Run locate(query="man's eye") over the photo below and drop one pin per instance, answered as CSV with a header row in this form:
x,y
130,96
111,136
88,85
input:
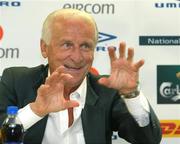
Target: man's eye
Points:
x,y
67,45
85,47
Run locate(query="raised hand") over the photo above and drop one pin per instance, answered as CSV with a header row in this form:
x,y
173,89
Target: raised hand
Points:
x,y
50,96
124,72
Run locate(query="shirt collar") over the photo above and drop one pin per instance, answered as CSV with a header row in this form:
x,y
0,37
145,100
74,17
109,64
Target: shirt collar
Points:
x,y
80,93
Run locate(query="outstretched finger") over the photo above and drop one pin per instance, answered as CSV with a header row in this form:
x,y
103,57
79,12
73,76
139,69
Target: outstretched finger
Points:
x,y
139,64
112,54
64,78
104,81
60,69
122,49
52,78
43,89
130,54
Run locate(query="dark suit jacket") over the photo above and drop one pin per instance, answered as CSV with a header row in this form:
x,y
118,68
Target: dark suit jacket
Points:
x,y
104,110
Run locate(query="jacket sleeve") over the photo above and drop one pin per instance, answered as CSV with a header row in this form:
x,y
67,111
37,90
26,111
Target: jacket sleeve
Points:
x,y
128,129
7,94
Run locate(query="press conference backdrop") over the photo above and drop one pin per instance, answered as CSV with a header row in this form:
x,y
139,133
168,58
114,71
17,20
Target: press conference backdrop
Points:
x,y
152,27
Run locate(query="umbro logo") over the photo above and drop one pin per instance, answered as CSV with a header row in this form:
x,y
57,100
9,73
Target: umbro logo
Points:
x,y
105,37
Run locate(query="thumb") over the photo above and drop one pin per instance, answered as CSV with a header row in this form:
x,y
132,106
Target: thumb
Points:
x,y
104,81
71,104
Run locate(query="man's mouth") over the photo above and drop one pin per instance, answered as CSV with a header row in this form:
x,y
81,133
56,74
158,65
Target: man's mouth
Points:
x,y
73,67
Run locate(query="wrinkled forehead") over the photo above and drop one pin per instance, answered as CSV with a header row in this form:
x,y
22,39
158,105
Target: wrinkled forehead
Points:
x,y
75,15
65,14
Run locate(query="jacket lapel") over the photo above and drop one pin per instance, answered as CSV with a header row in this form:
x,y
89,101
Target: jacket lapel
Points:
x,y
93,118
40,79
37,78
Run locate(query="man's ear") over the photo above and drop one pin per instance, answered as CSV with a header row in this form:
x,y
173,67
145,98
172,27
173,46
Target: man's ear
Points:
x,y
44,49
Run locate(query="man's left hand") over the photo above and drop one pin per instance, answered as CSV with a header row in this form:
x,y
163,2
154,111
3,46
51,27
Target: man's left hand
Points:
x,y
124,75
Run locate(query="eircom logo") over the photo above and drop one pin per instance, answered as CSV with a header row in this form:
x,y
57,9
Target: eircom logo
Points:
x,y
170,128
1,32
8,52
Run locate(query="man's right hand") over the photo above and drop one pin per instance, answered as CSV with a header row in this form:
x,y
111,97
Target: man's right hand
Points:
x,y
50,96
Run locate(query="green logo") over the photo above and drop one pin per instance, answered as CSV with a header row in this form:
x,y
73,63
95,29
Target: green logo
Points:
x,y
168,84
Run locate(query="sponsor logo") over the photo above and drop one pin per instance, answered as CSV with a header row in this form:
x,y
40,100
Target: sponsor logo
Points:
x,y
1,32
170,128
168,86
8,52
105,37
92,8
102,39
175,4
159,40
10,3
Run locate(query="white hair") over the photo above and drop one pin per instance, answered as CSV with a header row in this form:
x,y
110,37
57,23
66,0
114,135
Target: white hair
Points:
x,y
65,13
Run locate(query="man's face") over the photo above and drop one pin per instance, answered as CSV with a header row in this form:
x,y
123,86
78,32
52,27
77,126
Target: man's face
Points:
x,y
72,46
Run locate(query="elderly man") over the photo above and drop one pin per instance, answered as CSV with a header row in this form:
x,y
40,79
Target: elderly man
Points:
x,y
62,103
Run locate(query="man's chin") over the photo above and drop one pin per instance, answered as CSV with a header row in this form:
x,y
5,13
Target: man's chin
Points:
x,y
73,83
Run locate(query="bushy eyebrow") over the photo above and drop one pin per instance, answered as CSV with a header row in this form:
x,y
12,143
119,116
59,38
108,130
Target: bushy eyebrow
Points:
x,y
87,42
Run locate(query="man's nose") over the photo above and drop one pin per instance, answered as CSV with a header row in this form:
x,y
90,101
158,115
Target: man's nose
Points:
x,y
76,55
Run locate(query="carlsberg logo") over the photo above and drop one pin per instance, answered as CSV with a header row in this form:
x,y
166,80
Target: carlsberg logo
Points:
x,y
169,92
